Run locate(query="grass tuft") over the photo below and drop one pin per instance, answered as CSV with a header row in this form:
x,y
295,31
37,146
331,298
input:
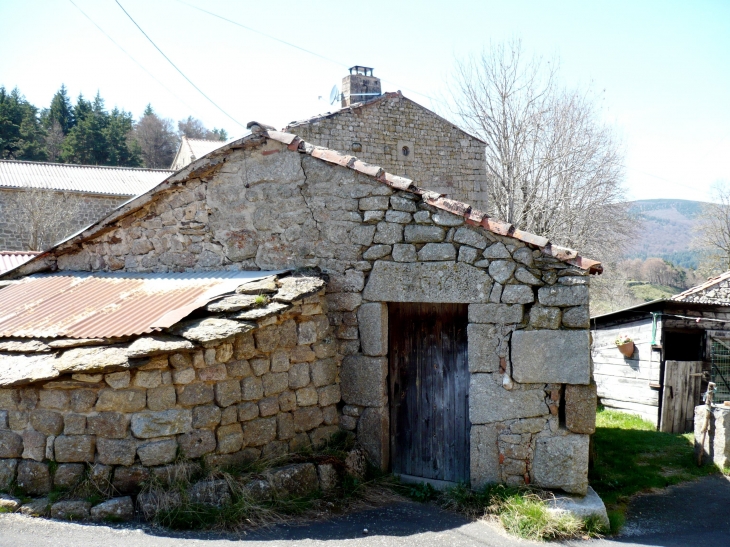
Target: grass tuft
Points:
x,y
527,516
260,300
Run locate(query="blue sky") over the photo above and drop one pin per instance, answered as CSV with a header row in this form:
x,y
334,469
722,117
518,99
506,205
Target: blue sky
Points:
x,y
661,68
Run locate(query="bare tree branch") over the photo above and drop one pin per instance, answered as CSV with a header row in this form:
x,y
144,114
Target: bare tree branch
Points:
x,y
43,217
553,167
713,233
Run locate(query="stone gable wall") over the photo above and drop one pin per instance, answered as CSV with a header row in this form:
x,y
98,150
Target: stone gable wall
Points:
x,y
91,208
532,401
270,391
442,158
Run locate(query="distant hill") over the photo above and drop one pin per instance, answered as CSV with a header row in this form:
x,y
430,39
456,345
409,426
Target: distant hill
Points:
x,y
667,230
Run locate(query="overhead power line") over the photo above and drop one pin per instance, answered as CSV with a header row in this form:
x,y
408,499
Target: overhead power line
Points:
x,y
130,56
176,68
310,52
263,34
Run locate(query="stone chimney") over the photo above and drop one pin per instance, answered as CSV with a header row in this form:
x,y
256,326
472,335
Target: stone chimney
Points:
x,y
360,86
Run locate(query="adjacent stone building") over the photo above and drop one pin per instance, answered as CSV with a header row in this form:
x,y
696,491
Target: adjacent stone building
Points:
x,y
498,390
91,191
402,137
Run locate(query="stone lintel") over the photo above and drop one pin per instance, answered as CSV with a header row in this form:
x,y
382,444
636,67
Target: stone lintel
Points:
x,y
430,282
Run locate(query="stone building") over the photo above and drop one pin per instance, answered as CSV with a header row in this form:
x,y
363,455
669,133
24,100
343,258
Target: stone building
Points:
x,y
401,136
92,191
675,340
416,290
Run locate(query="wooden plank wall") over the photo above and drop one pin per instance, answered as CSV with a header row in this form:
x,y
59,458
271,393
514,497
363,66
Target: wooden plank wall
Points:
x,y
624,384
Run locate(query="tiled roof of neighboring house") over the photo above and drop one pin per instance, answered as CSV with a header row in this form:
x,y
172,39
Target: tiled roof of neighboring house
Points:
x,y
355,106
109,305
708,292
13,259
205,167
193,149
88,179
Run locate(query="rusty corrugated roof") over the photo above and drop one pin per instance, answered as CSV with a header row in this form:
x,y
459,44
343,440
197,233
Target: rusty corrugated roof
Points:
x,y
108,305
13,259
89,179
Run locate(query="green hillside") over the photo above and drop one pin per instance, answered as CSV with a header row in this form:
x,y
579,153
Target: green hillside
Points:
x,y
667,230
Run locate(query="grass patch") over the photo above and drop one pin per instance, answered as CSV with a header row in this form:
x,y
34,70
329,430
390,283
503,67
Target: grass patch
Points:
x,y
260,300
523,512
630,456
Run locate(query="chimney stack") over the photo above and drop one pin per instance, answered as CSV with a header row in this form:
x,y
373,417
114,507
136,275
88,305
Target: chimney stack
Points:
x,y
360,86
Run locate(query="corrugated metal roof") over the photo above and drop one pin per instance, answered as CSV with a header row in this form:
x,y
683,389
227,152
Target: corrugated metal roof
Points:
x,y
13,259
91,179
107,305
193,149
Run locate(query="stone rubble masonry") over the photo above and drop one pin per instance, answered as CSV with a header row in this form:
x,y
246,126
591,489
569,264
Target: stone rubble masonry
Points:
x,y
716,448
376,245
142,418
441,157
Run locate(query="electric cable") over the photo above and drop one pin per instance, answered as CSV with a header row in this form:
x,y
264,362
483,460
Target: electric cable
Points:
x,y
176,68
271,37
129,55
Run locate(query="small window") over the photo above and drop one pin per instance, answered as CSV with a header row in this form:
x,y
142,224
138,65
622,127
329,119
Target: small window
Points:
x,y
405,151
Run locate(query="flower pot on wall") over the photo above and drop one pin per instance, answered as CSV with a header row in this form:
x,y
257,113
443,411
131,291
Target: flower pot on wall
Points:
x,y
627,349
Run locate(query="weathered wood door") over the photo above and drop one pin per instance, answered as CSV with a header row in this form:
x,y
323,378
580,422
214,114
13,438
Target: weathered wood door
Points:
x,y
681,393
429,391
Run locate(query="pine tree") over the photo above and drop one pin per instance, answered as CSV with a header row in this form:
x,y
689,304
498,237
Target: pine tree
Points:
x,y
86,143
21,134
60,111
121,148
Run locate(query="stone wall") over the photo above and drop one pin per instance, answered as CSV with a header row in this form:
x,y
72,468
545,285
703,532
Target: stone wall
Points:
x,y
440,157
532,404
712,435
268,392
90,208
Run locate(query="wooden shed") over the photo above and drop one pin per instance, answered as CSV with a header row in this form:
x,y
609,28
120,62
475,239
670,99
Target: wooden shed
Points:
x,y
679,343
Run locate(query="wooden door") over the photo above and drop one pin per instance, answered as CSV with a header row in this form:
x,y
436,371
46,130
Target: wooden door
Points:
x,y
681,394
429,391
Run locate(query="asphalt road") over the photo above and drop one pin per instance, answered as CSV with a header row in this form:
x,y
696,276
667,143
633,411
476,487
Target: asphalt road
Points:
x,y
398,525
687,515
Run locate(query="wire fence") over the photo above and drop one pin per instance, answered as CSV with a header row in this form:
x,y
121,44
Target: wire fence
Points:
x,y
721,369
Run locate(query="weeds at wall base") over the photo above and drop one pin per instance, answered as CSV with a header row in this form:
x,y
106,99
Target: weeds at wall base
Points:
x,y
523,512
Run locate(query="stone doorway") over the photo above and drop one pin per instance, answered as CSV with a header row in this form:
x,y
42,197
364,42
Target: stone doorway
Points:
x,y
429,391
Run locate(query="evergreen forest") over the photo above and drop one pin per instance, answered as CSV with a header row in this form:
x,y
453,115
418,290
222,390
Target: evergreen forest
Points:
x,y
88,133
